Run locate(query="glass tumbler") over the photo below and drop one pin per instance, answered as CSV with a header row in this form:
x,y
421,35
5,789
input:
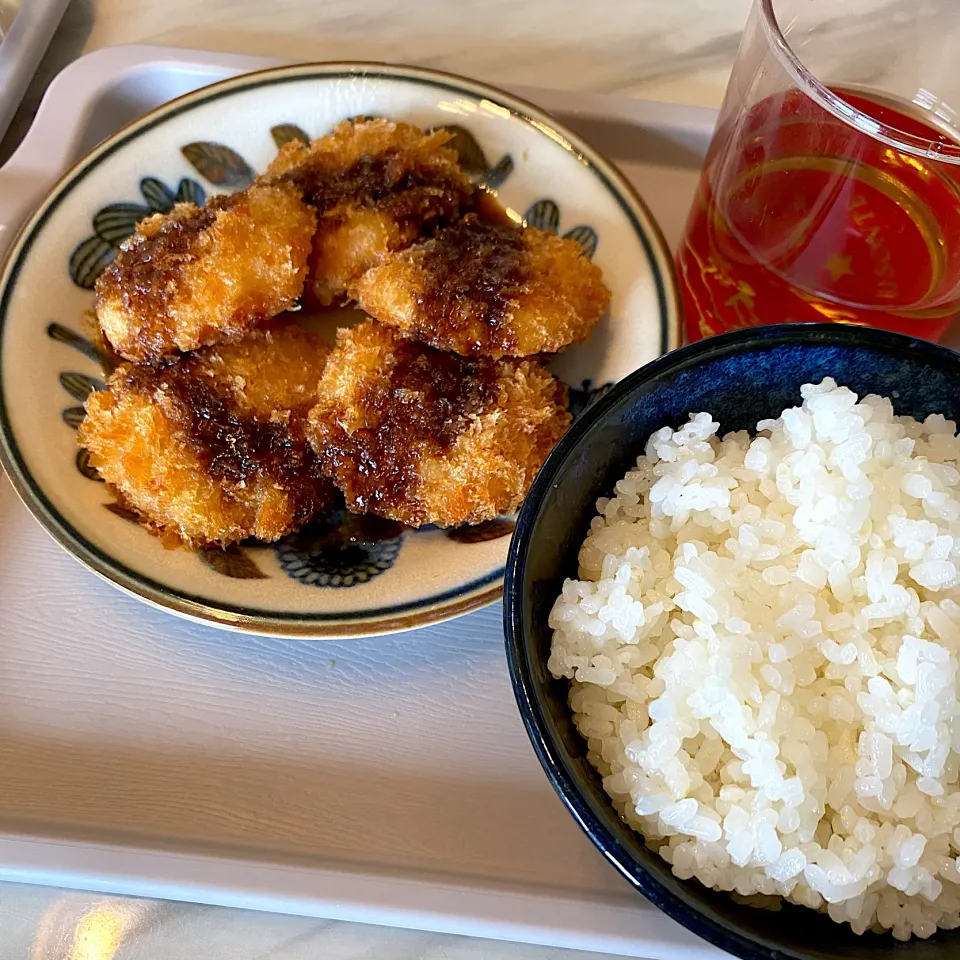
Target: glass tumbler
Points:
x,y
831,189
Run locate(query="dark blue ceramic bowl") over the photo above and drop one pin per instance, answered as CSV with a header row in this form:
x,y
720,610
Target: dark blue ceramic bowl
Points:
x,y
740,378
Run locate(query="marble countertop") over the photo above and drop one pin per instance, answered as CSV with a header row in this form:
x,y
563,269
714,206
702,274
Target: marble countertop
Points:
x,y
37,923
678,52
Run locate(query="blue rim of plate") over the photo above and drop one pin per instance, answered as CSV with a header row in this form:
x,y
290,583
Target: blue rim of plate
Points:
x,y
372,621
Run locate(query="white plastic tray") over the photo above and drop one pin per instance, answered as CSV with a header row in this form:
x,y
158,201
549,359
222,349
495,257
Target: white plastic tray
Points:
x,y
21,48
386,780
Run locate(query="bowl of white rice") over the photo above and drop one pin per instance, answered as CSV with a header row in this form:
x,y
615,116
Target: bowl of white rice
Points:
x,y
733,628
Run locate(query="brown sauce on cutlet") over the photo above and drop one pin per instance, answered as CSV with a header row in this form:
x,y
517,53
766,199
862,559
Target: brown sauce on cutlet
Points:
x,y
372,180
238,447
414,195
422,210
479,265
143,276
419,411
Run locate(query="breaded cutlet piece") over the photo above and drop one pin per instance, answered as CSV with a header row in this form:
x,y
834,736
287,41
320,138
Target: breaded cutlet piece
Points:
x,y
487,289
420,436
211,448
376,187
202,275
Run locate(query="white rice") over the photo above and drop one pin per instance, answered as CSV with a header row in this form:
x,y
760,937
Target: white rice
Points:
x,y
763,646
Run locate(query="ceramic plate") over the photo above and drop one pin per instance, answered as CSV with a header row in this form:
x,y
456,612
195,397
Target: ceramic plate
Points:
x,y
341,576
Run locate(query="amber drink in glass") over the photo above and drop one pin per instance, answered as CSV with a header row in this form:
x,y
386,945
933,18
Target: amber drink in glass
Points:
x,y
831,190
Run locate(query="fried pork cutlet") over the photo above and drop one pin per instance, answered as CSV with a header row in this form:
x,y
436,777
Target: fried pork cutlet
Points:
x,y
486,289
376,186
420,436
202,275
211,448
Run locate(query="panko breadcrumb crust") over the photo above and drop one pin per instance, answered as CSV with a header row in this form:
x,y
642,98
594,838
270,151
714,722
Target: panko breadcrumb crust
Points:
x,y
226,424
420,436
487,289
211,448
202,275
376,186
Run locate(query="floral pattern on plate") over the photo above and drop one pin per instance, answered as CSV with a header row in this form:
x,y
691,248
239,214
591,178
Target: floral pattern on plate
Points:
x,y
215,140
